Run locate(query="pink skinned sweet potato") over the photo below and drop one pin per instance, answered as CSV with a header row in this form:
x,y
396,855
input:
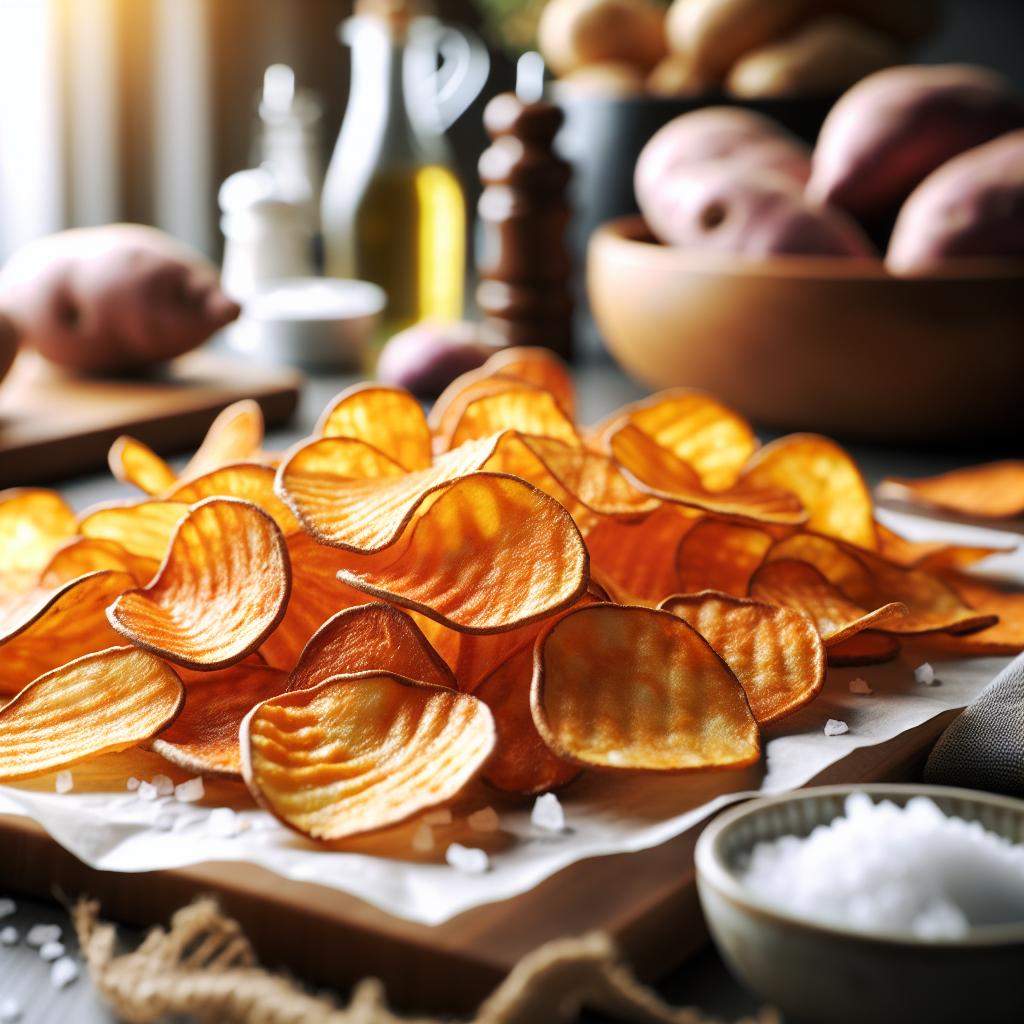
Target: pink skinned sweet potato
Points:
x,y
893,128
427,357
720,208
971,207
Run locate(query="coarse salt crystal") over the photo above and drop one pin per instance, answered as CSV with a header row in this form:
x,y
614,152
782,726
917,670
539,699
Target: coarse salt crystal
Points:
x,y
189,791
10,1010
442,816
484,820
859,685
164,786
925,674
836,727
52,950
548,813
133,784
40,934
467,859
63,972
7,907
224,823
9,936
423,839
64,783
147,791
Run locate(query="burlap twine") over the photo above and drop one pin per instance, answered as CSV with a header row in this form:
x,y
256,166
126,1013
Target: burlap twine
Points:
x,y
204,966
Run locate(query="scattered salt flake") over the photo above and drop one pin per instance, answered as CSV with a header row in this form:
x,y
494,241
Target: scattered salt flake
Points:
x,y
467,859
65,782
10,1010
548,813
484,820
133,784
40,934
925,674
835,727
163,785
423,839
52,950
63,972
147,791
9,936
224,823
7,907
190,791
442,816
859,685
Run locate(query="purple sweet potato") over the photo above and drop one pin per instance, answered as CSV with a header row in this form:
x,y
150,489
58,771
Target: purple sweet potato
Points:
x,y
971,207
893,128
427,357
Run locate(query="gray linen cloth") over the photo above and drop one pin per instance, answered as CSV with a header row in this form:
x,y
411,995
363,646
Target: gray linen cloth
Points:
x,y
984,747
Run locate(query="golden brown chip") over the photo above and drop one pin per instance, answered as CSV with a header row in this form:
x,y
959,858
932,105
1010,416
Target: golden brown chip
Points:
x,y
236,435
85,555
142,528
448,408
359,753
867,648
135,463
1004,637
249,481
389,419
711,439
219,593
522,761
721,556
489,554
537,366
836,563
370,637
992,491
33,524
204,737
97,704
657,471
825,479
53,626
799,585
931,555
774,652
516,406
625,687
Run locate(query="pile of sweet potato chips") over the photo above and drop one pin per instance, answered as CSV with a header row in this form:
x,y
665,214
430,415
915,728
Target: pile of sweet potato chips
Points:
x,y
398,605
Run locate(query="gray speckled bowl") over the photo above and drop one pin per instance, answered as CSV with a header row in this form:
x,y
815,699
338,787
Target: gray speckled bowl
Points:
x,y
834,975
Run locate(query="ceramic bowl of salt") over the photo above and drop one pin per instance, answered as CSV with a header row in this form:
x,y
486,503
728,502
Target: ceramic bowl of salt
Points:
x,y
881,903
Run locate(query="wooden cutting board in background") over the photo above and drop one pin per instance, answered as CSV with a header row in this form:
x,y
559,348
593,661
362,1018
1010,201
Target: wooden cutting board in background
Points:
x,y
54,426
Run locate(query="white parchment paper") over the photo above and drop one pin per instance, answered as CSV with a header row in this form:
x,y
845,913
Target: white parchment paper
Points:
x,y
112,829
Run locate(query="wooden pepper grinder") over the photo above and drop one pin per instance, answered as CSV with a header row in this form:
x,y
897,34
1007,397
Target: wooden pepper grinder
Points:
x,y
523,262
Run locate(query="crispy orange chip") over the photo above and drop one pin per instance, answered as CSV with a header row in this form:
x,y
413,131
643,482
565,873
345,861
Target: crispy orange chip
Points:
x,y
33,524
825,479
516,406
219,593
370,637
56,625
85,555
712,440
931,555
721,556
143,528
774,652
389,419
800,586
362,752
94,705
135,463
626,687
236,435
248,481
522,761
490,553
537,366
992,491
1004,637
204,737
867,648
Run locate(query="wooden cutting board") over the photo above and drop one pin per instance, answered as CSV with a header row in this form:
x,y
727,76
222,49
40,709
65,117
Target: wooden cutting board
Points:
x,y
53,425
646,901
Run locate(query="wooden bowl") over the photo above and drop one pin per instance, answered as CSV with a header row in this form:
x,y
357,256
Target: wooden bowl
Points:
x,y
815,343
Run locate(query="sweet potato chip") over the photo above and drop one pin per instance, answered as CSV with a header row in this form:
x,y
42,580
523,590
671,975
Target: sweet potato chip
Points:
x,y
867,648
53,626
825,479
370,637
774,652
522,762
712,440
516,406
85,555
220,591
537,366
931,555
236,435
143,528
33,524
389,419
799,585
204,737
657,471
248,481
97,704
992,491
135,463
1004,637
490,553
835,562
624,687
359,753
721,556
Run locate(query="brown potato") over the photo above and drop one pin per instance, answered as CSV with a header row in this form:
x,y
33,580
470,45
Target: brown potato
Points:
x,y
971,207
823,57
896,126
575,33
113,298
